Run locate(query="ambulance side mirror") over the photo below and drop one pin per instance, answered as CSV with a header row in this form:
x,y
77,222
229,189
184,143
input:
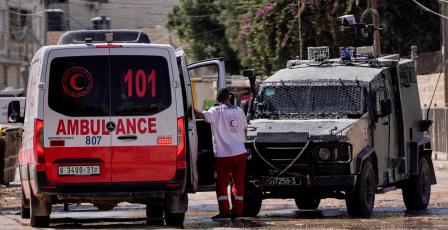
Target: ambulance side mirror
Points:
x,y
14,112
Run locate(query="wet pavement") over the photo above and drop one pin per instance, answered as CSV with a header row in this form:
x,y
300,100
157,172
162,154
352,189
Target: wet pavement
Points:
x,y
389,213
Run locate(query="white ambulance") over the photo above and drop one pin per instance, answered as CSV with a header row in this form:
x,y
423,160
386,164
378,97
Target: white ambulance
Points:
x,y
109,119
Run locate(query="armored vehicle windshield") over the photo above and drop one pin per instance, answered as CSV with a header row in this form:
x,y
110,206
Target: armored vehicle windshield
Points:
x,y
311,99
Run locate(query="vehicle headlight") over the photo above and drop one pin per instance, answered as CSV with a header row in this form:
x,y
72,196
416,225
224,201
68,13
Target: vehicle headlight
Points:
x,y
324,154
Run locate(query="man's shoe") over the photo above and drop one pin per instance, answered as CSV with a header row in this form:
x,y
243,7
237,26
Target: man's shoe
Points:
x,y
221,216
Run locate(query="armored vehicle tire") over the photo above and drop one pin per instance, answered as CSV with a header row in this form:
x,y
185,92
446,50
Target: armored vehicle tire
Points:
x,y
360,203
25,211
154,214
304,202
252,204
417,190
174,219
37,221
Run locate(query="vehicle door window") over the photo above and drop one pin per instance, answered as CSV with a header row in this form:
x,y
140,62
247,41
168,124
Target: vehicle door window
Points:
x,y
79,86
140,85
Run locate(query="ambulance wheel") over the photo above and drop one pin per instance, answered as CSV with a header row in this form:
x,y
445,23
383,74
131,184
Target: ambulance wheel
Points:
x,y
175,219
41,221
417,190
304,202
360,203
25,211
154,214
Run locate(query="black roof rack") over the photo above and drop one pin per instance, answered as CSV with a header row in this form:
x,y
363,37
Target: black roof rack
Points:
x,y
99,36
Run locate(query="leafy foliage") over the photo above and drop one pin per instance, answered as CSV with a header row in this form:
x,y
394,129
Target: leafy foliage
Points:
x,y
198,23
264,34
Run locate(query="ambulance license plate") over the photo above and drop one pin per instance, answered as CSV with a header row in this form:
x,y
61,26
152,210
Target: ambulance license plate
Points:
x,y
79,170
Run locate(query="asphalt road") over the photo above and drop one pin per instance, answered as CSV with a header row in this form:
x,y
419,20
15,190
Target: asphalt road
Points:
x,y
389,213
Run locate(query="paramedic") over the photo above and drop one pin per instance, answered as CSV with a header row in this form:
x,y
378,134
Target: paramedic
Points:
x,y
229,125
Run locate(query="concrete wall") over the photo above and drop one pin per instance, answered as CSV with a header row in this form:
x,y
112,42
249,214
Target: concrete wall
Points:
x,y
426,86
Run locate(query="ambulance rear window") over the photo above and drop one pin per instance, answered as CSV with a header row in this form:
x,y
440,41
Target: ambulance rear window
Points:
x,y
79,86
140,85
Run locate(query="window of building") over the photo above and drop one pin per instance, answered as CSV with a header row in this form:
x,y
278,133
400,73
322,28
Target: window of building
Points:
x,y
2,30
18,20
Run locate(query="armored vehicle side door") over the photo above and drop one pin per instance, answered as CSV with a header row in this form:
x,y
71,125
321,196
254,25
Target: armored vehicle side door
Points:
x,y
381,126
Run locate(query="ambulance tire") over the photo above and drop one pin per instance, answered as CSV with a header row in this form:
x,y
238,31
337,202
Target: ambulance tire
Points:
x,y
37,221
154,214
175,219
2,163
25,211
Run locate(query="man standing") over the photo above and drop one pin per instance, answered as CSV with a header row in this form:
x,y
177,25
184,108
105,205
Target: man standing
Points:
x,y
228,124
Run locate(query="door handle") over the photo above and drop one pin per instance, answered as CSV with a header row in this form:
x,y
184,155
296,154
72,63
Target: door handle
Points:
x,y
127,137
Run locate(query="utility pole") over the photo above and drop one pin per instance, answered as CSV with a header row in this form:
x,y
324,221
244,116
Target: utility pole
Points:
x,y
376,22
444,65
299,13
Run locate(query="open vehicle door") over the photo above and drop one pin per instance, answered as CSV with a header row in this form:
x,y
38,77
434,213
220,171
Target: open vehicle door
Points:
x,y
202,175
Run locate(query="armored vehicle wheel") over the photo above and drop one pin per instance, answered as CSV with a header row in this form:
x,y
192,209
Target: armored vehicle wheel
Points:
x,y
417,190
252,204
307,202
37,221
154,214
175,219
360,203
25,210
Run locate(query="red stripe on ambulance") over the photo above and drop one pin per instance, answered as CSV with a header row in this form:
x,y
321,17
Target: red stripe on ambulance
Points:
x,y
73,127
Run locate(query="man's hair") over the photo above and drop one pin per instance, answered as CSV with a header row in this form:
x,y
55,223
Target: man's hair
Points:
x,y
223,95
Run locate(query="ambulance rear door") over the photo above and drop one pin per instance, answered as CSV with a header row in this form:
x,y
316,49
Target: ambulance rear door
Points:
x,y
145,114
76,111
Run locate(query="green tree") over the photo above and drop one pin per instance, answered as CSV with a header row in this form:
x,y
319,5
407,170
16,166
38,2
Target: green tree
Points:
x,y
199,24
263,34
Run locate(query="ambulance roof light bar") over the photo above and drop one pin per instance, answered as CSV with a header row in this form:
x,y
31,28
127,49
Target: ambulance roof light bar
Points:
x,y
101,36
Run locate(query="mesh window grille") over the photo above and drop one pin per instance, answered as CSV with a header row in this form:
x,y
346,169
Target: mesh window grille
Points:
x,y
310,99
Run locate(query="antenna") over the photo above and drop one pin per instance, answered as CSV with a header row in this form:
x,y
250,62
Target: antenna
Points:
x,y
437,83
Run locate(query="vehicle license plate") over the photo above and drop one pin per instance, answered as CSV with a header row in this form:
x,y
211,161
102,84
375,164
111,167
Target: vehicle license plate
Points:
x,y
79,170
283,181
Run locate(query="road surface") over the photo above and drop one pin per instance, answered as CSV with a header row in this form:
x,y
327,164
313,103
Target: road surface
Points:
x,y
389,213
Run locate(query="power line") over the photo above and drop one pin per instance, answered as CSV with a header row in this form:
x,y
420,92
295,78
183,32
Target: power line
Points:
x,y
139,4
22,14
429,10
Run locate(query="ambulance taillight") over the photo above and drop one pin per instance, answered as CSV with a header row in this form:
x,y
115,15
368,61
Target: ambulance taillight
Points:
x,y
181,163
38,139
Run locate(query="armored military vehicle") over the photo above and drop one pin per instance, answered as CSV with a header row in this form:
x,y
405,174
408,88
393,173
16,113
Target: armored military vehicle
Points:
x,y
345,128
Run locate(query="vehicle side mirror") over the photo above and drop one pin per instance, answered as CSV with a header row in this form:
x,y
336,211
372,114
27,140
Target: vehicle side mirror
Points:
x,y
14,112
386,107
251,74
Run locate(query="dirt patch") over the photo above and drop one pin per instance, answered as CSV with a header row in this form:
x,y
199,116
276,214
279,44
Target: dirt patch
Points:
x,y
9,196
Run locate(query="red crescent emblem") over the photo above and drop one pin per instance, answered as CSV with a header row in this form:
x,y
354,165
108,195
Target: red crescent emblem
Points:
x,y
231,123
77,81
73,83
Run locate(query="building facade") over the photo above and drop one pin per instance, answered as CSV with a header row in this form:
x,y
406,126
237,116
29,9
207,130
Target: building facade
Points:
x,y
21,34
147,15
